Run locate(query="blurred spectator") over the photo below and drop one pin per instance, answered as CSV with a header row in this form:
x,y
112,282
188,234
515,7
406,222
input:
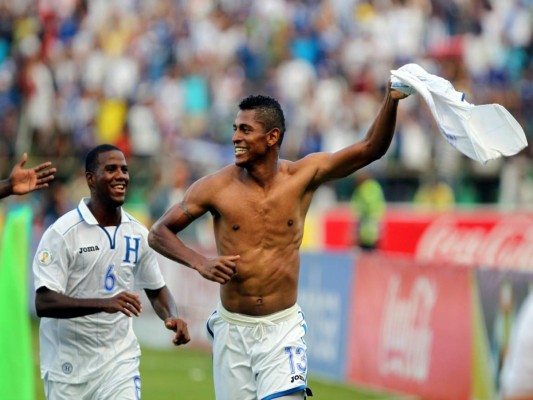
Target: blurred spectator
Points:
x,y
169,189
142,127
503,324
54,204
161,77
434,195
515,378
516,184
173,183
369,206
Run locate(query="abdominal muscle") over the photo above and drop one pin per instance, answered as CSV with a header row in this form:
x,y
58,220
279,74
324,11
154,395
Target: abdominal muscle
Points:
x,y
266,282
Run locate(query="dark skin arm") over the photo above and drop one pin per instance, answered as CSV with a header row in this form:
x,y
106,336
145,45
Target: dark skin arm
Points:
x,y
375,144
51,304
165,307
22,181
163,239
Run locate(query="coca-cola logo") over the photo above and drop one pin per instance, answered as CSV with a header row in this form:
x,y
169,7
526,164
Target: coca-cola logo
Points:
x,y
506,243
406,333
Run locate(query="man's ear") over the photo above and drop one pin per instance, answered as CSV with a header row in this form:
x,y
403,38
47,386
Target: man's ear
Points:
x,y
89,177
272,137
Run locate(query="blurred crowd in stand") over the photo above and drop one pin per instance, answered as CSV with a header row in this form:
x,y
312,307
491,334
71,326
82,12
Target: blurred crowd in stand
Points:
x,y
161,79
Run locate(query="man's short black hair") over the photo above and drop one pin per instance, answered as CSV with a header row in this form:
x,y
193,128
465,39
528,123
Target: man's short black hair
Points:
x,y
268,112
91,161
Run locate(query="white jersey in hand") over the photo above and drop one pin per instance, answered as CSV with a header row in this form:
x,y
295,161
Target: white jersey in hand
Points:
x,y
483,132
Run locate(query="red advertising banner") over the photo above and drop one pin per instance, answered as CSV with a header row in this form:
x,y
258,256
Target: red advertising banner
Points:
x,y
476,238
411,327
338,225
488,238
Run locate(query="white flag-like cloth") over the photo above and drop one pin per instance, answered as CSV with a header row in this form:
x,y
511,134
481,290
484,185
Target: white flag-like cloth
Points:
x,y
483,132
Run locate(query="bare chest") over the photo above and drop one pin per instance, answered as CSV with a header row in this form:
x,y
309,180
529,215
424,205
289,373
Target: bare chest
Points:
x,y
255,215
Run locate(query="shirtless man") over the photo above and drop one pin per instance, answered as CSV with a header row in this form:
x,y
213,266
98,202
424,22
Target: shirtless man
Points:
x,y
259,207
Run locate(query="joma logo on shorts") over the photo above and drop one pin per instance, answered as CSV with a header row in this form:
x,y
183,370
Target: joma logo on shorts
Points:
x,y
88,249
297,378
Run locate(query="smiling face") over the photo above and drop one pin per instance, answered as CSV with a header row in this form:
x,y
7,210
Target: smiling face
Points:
x,y
109,179
250,140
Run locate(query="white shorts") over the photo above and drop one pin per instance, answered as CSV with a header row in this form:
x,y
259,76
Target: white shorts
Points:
x,y
120,382
258,357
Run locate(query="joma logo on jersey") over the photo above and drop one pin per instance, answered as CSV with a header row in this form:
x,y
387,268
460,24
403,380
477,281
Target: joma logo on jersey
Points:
x,y
297,378
88,249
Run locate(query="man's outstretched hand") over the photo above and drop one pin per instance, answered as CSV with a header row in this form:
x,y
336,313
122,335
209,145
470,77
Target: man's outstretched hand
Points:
x,y
26,180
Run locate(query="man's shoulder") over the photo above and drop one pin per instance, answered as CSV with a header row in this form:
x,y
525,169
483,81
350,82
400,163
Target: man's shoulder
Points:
x,y
67,221
220,177
312,160
227,171
137,225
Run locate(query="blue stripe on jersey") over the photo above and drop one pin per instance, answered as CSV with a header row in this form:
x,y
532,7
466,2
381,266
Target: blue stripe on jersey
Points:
x,y
285,392
79,213
207,324
115,236
112,240
132,219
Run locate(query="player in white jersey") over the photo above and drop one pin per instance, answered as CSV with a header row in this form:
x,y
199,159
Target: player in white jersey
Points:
x,y
88,267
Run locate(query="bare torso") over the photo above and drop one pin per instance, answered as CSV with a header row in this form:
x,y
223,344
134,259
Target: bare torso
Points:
x,y
264,225
259,207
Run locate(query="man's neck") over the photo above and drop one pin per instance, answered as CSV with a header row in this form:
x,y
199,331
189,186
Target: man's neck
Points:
x,y
262,174
105,215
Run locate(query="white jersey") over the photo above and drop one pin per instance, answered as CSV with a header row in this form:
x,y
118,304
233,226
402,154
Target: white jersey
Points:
x,y
79,258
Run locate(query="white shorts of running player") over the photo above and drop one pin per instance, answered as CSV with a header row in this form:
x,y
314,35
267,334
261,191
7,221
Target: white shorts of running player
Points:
x,y
121,381
258,357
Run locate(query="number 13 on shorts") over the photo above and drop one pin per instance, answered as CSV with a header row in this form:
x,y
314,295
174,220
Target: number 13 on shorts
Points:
x,y
297,359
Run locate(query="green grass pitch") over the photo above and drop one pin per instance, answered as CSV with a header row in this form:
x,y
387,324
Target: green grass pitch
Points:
x,y
185,374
